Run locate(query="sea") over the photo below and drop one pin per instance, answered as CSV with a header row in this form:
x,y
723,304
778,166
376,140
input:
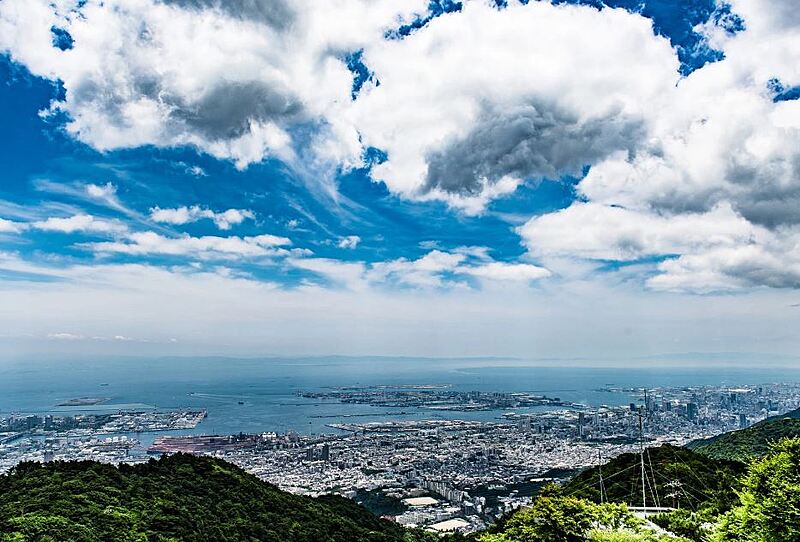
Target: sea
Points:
x,y
262,395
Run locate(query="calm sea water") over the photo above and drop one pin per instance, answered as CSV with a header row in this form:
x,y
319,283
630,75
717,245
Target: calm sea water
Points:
x,y
268,387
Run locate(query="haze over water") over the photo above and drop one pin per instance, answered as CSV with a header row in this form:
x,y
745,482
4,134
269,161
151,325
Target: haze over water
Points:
x,y
268,388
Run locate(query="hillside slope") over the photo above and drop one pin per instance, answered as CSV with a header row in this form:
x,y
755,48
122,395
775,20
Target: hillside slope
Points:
x,y
751,443
697,479
176,498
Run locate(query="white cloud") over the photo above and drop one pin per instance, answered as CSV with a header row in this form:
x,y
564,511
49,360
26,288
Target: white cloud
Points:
x,y
348,274
465,108
478,100
601,232
181,215
106,194
349,242
80,223
515,272
708,251
234,83
715,186
197,171
184,215
426,271
105,191
436,269
775,264
10,226
178,72
210,312
208,246
61,336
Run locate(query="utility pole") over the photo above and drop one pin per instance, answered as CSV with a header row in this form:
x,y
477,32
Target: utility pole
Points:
x,y
600,465
641,448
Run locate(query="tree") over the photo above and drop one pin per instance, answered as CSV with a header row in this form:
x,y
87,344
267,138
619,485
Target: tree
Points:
x,y
556,518
769,501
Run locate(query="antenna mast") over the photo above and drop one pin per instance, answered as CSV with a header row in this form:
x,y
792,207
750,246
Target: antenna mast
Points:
x,y
641,449
600,466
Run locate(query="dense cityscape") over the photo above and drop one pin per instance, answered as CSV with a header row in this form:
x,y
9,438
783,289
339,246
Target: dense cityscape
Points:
x,y
440,474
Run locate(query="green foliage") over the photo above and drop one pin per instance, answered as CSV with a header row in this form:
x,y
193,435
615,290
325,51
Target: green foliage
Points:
x,y
769,509
177,498
765,506
705,483
185,498
630,536
556,518
751,443
686,523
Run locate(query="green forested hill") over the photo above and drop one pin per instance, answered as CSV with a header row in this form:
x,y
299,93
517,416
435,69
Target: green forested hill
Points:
x,y
554,517
701,481
766,508
751,443
177,498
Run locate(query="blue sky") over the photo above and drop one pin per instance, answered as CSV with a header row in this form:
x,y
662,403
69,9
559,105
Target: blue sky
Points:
x,y
39,155
515,178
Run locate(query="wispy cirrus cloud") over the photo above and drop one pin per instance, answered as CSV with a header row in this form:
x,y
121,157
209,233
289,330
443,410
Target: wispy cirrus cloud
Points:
x,y
465,109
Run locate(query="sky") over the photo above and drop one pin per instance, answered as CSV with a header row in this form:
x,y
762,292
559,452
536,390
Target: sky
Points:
x,y
577,179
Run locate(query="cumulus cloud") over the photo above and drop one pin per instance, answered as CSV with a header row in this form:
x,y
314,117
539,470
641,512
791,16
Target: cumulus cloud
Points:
x,y
701,252
714,187
275,13
436,269
733,268
350,241
464,109
10,226
184,215
197,171
480,100
425,271
524,142
514,272
80,223
232,78
602,232
105,191
267,67
209,246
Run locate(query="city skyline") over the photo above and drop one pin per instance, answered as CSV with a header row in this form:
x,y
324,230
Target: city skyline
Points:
x,y
582,180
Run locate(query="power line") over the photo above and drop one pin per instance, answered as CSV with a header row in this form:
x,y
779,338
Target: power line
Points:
x,y
600,468
641,448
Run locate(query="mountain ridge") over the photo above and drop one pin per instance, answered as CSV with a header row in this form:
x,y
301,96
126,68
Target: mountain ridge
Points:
x,y
175,498
750,443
